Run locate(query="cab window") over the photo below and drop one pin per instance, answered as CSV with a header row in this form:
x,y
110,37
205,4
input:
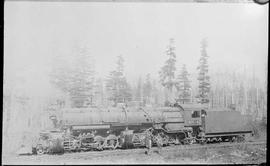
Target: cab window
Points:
x,y
195,114
203,112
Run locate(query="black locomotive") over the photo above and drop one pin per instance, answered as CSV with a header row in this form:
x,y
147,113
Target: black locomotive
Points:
x,y
82,129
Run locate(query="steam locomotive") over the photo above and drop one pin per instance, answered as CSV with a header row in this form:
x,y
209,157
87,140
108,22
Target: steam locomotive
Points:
x,y
83,129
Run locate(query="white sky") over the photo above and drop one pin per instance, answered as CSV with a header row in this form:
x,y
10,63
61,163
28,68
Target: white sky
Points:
x,y
34,32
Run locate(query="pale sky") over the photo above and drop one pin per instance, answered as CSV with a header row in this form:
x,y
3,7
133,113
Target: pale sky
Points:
x,y
34,32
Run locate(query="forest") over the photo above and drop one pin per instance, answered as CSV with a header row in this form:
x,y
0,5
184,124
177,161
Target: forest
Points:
x,y
74,83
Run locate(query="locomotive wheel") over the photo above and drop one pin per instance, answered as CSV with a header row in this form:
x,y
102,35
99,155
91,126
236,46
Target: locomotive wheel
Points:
x,y
202,141
190,141
177,141
100,142
233,139
159,141
187,141
219,139
40,150
240,139
113,143
100,146
165,140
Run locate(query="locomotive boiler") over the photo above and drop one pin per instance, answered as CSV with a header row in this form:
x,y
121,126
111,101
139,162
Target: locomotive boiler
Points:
x,y
125,127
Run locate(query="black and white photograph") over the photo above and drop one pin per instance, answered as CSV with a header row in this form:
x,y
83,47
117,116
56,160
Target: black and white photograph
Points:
x,y
135,82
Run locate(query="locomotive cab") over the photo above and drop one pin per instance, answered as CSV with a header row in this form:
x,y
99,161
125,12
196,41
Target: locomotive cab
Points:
x,y
195,118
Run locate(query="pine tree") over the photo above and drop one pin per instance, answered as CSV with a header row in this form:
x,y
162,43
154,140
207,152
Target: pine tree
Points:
x,y
167,72
76,80
117,86
147,89
204,79
183,86
138,94
155,93
98,93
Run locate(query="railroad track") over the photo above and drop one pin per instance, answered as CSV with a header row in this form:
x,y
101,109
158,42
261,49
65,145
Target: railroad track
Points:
x,y
167,149
107,155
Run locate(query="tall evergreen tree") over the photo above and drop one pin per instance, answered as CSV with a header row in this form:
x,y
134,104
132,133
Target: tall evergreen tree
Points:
x,y
204,79
147,89
99,92
167,72
138,93
76,80
155,93
183,86
117,86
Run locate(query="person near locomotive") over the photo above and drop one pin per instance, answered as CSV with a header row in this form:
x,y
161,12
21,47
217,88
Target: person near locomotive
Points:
x,y
159,142
148,140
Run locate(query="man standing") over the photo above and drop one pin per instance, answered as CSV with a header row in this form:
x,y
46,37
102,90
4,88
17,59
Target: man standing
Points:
x,y
159,142
148,140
